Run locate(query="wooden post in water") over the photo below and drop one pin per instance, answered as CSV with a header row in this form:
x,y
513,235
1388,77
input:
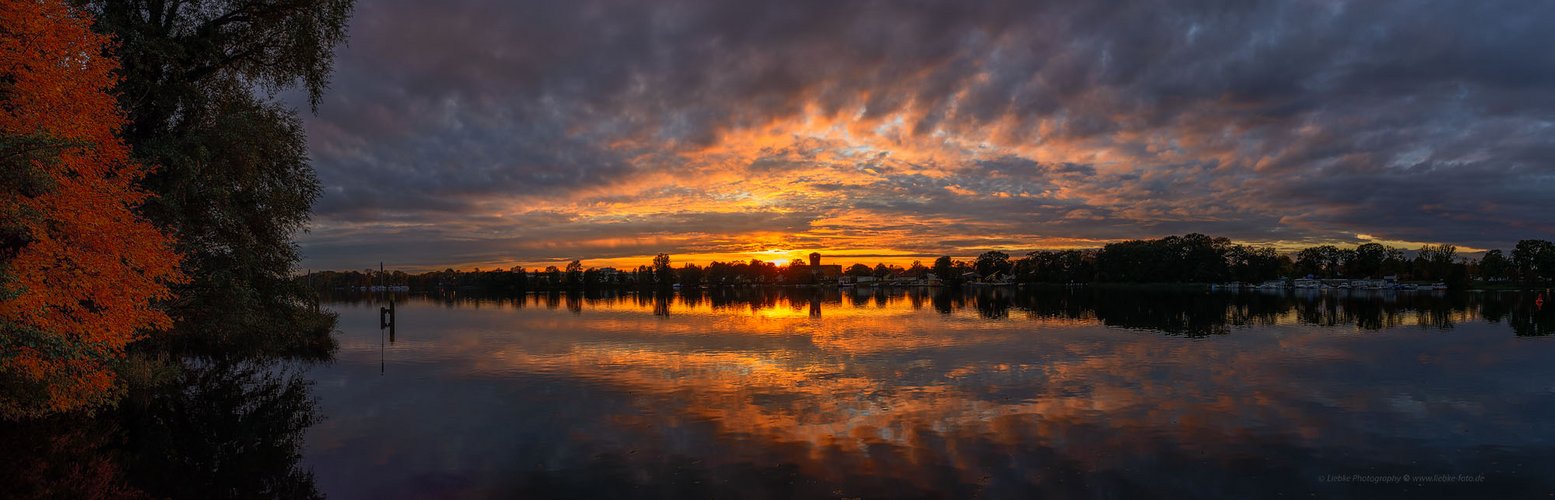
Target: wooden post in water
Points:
x,y
386,316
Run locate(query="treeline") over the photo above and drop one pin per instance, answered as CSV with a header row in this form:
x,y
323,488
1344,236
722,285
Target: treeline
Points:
x,y
659,274
1191,258
1196,258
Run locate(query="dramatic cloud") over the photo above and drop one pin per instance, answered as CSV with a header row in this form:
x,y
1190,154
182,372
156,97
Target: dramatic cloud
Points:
x,y
498,133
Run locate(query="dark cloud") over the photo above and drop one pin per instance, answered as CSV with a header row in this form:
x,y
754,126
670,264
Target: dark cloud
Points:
x,y
1294,120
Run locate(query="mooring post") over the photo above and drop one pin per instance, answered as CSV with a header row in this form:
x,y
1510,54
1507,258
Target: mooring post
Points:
x,y
386,316
391,321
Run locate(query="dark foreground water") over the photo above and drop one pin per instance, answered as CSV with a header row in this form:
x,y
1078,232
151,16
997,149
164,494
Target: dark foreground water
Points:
x,y
1083,393
1079,393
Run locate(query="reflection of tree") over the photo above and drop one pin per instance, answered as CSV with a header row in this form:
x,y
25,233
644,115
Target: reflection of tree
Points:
x,y
574,302
916,296
1315,308
222,430
205,416
1057,303
992,303
60,458
947,300
661,304
1372,315
692,297
1173,313
216,430
1253,309
1494,310
1181,312
1528,319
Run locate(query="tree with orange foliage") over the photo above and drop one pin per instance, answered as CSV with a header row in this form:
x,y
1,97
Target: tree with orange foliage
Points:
x,y
81,272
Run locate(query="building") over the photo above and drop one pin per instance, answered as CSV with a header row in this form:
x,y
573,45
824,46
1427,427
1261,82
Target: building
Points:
x,y
820,272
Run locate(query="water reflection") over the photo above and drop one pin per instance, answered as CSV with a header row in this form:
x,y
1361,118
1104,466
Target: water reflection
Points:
x,y
1169,311
890,393
204,416
222,430
216,430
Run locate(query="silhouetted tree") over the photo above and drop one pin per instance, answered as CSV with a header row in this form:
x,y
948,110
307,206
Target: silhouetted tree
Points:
x,y
945,270
1534,261
991,262
1253,264
1435,262
662,274
574,273
553,276
1325,261
1366,261
233,179
691,275
1494,266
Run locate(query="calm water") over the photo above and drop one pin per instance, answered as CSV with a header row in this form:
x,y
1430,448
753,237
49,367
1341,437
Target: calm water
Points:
x,y
797,394
1067,393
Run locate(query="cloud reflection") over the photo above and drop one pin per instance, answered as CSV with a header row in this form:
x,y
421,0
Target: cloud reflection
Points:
x,y
887,394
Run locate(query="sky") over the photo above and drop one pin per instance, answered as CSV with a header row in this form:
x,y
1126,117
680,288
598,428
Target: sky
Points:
x,y
471,133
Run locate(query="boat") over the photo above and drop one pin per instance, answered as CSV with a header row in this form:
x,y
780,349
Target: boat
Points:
x,y
1235,285
1369,284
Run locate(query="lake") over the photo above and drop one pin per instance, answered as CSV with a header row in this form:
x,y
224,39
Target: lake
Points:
x,y
1079,393
799,393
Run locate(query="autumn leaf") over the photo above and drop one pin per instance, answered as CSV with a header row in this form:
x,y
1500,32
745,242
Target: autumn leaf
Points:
x,y
81,272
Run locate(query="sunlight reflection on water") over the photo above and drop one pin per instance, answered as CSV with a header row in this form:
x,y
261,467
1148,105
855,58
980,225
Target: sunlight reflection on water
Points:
x,y
912,393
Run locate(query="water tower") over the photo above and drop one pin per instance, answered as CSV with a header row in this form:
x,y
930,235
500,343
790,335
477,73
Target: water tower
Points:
x,y
815,259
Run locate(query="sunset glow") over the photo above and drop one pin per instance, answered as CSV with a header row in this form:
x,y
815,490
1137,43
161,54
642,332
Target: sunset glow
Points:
x,y
875,133
785,249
